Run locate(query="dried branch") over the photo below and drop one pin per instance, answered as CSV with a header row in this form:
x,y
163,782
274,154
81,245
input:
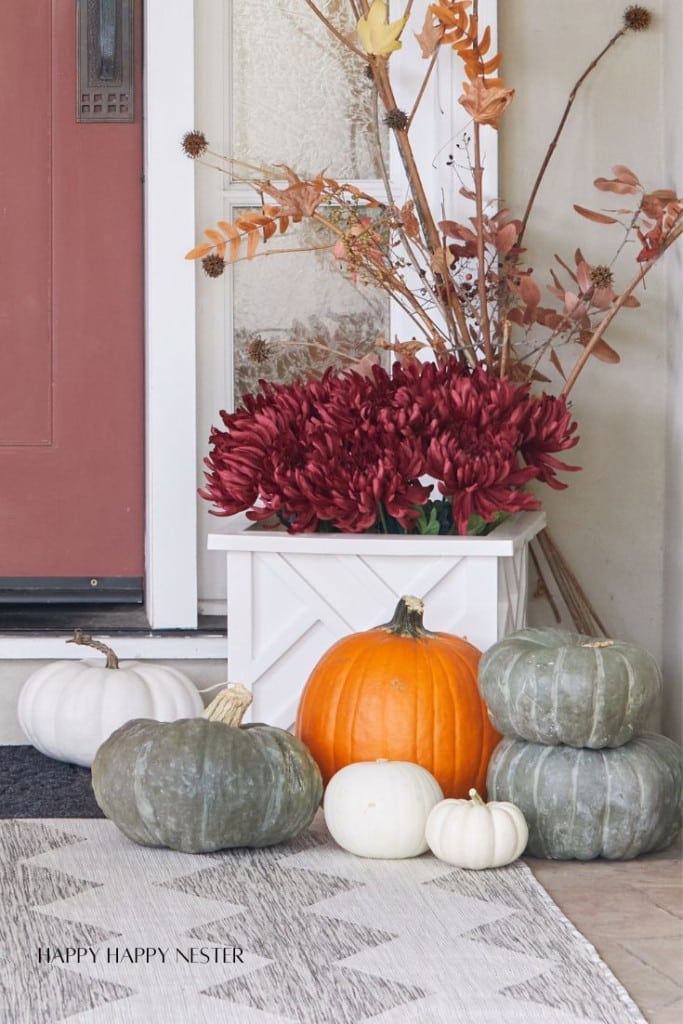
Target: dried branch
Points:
x,y
585,618
563,120
637,279
335,31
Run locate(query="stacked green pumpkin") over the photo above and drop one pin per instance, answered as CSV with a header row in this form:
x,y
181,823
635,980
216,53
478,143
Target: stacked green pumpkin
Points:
x,y
574,758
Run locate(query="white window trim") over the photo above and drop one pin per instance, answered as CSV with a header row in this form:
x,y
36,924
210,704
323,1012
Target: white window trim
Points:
x,y
171,469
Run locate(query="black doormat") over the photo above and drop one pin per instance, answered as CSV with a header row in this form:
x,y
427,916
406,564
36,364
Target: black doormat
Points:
x,y
35,786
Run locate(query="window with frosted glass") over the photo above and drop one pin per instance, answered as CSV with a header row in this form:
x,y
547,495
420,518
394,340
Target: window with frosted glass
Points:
x,y
297,313
298,96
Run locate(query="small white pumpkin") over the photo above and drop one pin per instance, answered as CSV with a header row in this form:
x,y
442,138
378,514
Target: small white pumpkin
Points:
x,y
380,808
67,709
474,834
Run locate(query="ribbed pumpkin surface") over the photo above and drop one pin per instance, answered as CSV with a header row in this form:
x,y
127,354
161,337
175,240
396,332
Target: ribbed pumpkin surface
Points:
x,y
552,686
404,697
582,804
198,786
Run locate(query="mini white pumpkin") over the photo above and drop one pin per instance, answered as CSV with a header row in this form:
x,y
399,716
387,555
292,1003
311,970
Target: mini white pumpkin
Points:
x,y
380,808
474,834
67,709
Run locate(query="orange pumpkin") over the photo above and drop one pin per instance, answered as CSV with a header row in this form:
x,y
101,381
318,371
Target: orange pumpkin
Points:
x,y
403,693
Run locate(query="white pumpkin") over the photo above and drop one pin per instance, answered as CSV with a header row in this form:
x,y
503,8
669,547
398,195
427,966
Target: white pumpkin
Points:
x,y
380,808
474,834
67,709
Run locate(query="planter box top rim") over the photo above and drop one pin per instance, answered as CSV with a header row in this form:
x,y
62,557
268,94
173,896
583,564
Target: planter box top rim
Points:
x,y
239,534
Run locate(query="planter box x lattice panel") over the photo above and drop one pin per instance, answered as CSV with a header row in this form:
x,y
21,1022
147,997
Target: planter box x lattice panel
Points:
x,y
290,598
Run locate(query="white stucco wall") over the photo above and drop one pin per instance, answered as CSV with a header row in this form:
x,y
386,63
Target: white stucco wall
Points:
x,y
610,524
672,654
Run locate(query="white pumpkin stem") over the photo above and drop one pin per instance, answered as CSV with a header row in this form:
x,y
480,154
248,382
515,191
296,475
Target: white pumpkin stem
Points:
x,y
476,799
229,705
80,637
599,643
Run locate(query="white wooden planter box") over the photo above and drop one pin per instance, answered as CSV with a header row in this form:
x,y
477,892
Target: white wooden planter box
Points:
x,y
291,597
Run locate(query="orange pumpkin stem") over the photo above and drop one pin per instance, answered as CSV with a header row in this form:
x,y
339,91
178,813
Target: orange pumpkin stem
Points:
x,y
80,637
407,619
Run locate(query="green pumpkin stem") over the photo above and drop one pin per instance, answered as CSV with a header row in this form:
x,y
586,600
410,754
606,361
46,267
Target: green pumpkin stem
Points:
x,y
229,705
476,799
407,619
80,637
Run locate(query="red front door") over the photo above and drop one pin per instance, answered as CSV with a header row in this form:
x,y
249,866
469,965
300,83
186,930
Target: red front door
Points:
x,y
71,313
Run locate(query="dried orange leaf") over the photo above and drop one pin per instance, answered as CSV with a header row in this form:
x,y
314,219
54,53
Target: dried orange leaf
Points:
x,y
452,229
493,64
199,251
409,221
506,237
555,360
253,239
441,262
602,351
529,290
622,188
485,103
583,275
269,229
229,230
218,241
599,218
524,372
549,318
430,36
626,175
353,190
653,203
602,298
485,41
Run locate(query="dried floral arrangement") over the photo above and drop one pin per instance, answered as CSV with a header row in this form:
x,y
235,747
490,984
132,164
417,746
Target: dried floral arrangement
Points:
x,y
476,311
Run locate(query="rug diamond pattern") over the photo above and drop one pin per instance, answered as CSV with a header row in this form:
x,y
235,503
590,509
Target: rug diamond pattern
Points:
x,y
327,938
30,991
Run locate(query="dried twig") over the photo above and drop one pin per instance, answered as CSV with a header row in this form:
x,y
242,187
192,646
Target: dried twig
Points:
x,y
583,615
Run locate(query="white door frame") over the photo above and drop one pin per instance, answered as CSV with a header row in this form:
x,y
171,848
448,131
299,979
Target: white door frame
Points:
x,y
171,471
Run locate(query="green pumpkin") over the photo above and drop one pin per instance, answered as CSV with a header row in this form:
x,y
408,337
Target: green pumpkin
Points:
x,y
582,804
204,784
551,686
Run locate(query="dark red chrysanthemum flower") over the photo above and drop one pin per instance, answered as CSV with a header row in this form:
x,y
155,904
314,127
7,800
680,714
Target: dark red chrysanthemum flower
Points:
x,y
548,427
349,452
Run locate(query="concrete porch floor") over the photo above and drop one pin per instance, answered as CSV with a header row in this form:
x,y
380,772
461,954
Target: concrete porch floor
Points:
x,y
632,912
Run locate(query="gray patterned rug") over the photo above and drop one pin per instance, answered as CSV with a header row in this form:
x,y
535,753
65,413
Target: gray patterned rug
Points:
x,y
96,930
